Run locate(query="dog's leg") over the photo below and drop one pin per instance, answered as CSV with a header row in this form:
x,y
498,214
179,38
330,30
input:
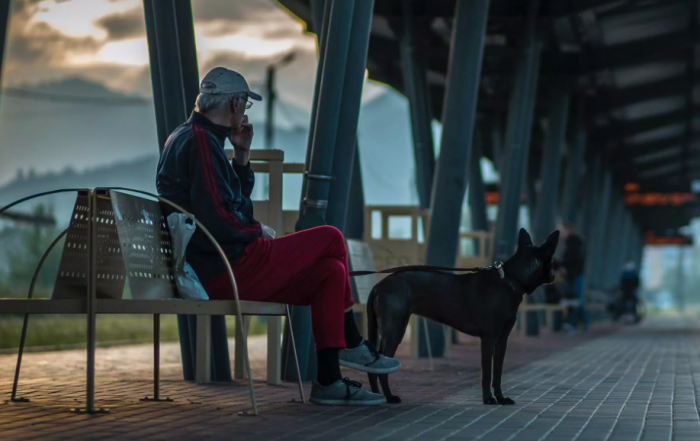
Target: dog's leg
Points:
x,y
499,357
373,382
390,341
487,346
391,399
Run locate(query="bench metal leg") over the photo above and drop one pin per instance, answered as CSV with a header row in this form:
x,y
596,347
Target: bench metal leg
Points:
x,y
246,359
203,357
156,362
274,350
239,356
14,398
91,310
25,325
296,358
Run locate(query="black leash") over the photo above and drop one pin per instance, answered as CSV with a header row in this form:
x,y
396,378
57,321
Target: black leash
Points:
x,y
428,268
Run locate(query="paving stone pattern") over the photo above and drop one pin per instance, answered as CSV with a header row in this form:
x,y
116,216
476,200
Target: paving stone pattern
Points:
x,y
635,383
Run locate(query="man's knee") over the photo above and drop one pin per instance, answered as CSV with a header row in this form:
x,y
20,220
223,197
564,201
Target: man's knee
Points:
x,y
332,235
332,268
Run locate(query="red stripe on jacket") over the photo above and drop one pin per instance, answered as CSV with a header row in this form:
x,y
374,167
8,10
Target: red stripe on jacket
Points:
x,y
204,154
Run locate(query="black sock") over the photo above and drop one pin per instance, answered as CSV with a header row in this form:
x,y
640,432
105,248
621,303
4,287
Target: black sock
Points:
x,y
353,338
328,366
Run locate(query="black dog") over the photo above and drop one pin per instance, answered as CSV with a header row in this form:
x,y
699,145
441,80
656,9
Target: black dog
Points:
x,y
482,304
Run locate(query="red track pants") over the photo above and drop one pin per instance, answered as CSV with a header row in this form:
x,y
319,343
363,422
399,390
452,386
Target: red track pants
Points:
x,y
308,268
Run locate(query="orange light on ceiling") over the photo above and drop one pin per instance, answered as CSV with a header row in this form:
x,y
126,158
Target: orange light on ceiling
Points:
x,y
658,199
651,239
631,186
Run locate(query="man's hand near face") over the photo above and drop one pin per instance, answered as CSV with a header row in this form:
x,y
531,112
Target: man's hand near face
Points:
x,y
242,139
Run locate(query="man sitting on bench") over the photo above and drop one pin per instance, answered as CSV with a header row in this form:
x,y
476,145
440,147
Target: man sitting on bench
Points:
x,y
308,268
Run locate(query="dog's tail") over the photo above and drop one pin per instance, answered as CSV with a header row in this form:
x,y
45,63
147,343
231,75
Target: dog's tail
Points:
x,y
372,325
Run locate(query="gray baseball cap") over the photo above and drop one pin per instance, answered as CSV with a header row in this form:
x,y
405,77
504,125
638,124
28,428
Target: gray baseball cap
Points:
x,y
221,80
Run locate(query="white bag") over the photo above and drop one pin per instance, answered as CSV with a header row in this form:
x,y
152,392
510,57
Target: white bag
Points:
x,y
188,284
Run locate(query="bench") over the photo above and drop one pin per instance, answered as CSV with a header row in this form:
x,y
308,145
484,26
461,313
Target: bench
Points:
x,y
116,238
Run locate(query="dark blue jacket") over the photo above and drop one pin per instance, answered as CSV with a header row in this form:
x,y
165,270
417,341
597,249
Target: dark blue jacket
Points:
x,y
195,173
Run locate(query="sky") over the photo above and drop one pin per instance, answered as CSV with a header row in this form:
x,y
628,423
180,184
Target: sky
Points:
x,y
105,41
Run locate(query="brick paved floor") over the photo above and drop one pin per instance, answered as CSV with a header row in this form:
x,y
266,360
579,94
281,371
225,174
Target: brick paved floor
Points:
x,y
635,384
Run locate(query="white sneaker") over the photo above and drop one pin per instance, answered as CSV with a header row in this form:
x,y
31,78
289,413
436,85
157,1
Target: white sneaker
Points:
x,y
365,358
344,392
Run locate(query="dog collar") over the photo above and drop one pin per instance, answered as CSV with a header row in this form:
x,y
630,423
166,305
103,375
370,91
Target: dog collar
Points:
x,y
499,266
513,281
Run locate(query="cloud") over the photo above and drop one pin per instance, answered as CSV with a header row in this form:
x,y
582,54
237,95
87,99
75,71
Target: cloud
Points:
x,y
237,11
37,43
123,25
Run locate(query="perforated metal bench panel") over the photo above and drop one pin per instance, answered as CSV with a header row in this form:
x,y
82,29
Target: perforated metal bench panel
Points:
x,y
146,246
71,281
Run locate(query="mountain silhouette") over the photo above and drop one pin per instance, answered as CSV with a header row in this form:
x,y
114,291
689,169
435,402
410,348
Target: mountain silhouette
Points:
x,y
48,144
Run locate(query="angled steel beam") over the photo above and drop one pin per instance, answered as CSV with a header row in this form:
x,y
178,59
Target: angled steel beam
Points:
x,y
415,89
574,169
639,50
458,116
518,134
634,127
625,151
346,136
691,111
188,51
4,21
614,98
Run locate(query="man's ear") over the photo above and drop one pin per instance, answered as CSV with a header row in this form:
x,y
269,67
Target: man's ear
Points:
x,y
550,244
524,238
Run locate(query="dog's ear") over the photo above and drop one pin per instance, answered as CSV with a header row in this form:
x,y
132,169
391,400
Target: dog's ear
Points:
x,y
524,238
550,244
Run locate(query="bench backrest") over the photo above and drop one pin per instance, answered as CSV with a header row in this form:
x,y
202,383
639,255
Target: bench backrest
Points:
x,y
133,244
71,281
146,246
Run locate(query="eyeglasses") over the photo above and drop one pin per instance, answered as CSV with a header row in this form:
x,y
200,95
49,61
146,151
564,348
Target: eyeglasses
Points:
x,y
248,104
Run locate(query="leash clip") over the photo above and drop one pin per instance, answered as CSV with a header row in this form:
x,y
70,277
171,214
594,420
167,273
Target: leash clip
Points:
x,y
499,266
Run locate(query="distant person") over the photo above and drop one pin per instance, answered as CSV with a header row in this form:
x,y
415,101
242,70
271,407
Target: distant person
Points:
x,y
306,268
629,284
572,267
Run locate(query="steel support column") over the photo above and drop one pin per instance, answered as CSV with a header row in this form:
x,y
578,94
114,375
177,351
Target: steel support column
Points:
x,y
346,137
321,14
301,315
574,167
586,217
531,190
188,52
4,22
161,129
605,258
477,189
415,88
317,180
615,244
598,221
458,116
639,251
517,142
171,43
680,280
546,215
355,218
171,80
187,45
